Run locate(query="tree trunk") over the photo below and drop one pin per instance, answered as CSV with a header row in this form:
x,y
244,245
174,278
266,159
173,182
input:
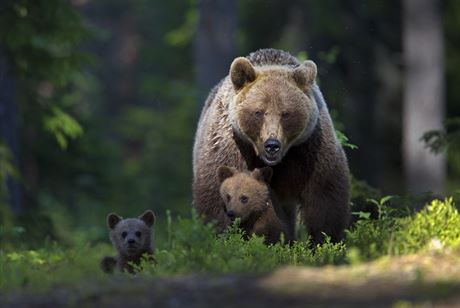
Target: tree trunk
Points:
x,y
9,127
214,42
423,108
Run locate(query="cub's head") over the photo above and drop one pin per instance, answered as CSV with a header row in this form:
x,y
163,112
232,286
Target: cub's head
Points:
x,y
244,194
131,236
273,107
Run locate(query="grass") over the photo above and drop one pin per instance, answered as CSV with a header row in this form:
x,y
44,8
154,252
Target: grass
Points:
x,y
186,245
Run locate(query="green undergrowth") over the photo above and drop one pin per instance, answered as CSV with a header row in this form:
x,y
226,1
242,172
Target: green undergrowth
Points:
x,y
193,247
436,226
189,246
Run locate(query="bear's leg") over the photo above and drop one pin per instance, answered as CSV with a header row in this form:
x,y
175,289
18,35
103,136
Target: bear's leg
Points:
x,y
208,204
288,217
325,209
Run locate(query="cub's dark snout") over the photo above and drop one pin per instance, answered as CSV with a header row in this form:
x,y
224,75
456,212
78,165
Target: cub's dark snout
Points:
x,y
231,215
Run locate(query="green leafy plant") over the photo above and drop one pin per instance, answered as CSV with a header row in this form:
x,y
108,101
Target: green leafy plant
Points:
x,y
382,208
437,224
344,140
62,126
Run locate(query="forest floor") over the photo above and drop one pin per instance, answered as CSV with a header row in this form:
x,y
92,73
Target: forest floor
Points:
x,y
426,279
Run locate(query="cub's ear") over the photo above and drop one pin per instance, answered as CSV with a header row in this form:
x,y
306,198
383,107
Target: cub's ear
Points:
x,y
224,172
112,220
305,75
263,174
148,217
241,72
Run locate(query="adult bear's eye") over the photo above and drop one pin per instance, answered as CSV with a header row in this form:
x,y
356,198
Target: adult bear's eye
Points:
x,y
124,234
138,233
244,199
285,115
228,197
258,114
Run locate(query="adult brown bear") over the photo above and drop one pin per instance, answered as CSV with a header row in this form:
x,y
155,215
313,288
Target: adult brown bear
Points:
x,y
269,111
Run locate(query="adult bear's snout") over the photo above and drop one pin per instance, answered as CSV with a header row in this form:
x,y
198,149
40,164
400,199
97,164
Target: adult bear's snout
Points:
x,y
272,146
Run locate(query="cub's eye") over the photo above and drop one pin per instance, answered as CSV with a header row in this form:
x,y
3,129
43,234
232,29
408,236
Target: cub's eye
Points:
x,y
228,197
138,233
285,115
258,114
124,234
244,199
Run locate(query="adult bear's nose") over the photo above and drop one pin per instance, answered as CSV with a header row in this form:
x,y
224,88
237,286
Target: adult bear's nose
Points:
x,y
272,146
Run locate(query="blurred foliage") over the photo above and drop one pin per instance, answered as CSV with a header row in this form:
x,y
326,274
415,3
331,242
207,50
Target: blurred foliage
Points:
x,y
446,140
452,63
28,268
8,231
6,166
42,38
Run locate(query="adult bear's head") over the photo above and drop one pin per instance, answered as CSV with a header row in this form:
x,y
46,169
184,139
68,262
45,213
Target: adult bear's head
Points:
x,y
274,107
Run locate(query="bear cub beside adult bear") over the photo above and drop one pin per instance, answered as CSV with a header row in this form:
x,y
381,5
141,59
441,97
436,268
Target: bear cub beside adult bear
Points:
x,y
132,239
247,196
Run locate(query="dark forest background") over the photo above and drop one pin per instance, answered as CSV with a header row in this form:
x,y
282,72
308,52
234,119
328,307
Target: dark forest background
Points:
x,y
99,100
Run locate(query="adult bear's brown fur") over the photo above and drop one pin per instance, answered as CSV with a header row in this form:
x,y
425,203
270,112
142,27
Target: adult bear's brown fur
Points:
x,y
271,101
247,196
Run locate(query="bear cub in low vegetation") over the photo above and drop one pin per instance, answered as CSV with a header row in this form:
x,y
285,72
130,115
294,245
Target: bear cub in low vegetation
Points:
x,y
246,195
131,237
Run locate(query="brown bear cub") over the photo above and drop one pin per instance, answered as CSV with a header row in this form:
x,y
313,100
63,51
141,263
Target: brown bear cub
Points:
x,y
131,237
247,196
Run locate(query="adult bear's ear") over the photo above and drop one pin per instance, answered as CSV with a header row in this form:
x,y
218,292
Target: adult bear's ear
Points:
x,y
224,172
112,220
241,72
148,217
263,174
305,74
